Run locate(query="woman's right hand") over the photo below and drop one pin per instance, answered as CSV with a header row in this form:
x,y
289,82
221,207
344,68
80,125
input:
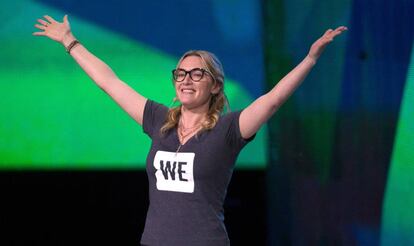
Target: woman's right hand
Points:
x,y
58,31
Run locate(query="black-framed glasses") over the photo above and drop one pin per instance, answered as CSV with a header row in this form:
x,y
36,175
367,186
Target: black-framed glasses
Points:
x,y
196,74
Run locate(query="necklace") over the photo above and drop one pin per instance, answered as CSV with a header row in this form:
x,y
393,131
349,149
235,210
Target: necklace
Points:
x,y
182,136
184,132
183,128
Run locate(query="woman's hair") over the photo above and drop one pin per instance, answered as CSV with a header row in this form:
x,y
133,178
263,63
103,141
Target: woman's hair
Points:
x,y
217,101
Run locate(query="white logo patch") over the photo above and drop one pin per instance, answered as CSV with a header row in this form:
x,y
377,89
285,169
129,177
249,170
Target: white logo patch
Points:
x,y
174,171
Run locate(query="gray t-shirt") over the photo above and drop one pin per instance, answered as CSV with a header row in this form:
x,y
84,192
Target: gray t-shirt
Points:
x,y
187,188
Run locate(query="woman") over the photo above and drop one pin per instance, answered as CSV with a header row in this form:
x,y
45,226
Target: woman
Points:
x,y
194,146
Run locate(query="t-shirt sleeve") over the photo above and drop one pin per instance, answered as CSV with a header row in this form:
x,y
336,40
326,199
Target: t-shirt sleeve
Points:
x,y
154,117
234,136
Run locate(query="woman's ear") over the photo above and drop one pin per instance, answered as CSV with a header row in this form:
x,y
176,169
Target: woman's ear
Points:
x,y
216,88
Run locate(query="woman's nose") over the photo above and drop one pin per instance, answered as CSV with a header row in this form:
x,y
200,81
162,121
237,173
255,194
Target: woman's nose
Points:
x,y
187,79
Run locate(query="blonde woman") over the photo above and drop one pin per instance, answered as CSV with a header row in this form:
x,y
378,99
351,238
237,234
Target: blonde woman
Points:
x,y
194,145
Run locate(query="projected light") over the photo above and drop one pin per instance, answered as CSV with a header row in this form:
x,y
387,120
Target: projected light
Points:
x,y
54,117
398,217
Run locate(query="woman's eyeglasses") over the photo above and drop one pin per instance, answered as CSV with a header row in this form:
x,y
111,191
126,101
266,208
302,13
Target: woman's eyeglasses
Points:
x,y
196,74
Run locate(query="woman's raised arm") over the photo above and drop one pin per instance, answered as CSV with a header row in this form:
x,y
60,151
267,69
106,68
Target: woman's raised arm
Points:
x,y
127,98
257,113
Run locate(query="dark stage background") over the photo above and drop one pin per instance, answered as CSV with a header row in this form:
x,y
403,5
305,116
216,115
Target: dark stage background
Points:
x,y
108,208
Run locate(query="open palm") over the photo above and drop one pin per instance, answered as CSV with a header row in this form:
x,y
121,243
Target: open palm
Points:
x,y
53,29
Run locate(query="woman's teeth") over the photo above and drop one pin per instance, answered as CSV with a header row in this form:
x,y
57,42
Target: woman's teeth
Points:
x,y
187,90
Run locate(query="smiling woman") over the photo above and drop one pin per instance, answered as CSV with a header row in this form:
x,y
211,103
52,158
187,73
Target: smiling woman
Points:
x,y
203,89
194,145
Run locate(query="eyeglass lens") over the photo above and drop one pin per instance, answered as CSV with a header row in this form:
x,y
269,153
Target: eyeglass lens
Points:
x,y
196,74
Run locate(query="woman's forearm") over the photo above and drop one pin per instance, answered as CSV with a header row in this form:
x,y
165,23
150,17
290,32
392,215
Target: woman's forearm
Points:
x,y
288,84
96,69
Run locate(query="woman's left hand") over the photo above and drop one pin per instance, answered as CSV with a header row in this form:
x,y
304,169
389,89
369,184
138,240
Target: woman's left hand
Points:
x,y
320,44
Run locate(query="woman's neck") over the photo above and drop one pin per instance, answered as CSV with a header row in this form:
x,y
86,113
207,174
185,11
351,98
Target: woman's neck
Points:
x,y
193,117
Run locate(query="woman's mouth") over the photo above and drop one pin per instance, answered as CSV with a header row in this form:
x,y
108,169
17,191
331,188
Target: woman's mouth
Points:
x,y
187,91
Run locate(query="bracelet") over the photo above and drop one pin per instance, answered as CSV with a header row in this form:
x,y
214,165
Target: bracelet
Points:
x,y
71,45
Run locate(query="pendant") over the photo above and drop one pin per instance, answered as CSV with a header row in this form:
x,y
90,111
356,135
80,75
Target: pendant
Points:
x,y
178,149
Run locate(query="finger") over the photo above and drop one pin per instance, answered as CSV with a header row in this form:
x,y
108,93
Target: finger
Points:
x,y
43,22
338,31
341,28
330,35
328,31
41,27
50,19
65,19
39,34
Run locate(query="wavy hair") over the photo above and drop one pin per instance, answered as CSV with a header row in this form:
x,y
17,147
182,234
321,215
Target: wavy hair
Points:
x,y
217,101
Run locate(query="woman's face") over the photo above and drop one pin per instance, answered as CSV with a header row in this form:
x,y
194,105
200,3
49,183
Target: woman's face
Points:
x,y
193,94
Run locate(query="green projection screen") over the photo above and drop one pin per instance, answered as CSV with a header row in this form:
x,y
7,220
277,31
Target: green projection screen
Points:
x,y
398,217
54,117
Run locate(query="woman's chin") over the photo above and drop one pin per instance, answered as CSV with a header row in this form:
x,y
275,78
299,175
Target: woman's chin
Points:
x,y
191,102
188,104
187,100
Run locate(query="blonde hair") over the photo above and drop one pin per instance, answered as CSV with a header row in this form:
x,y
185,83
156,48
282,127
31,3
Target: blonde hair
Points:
x,y
217,101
